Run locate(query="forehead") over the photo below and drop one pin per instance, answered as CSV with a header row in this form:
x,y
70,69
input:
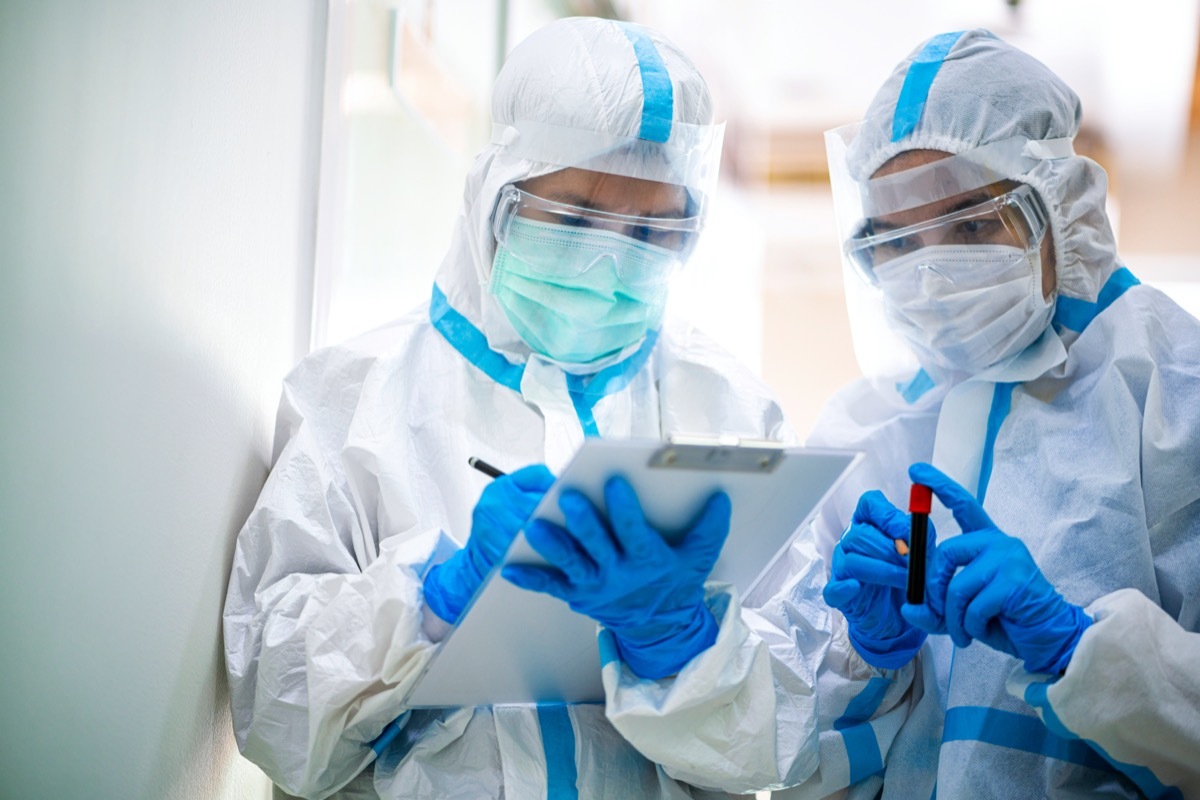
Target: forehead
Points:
x,y
912,159
615,194
909,159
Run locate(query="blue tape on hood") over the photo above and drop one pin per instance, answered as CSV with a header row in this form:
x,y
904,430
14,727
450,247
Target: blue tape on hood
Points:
x,y
917,82
658,97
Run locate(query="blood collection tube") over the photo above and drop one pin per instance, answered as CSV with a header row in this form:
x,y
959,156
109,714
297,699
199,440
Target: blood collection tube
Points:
x,y
920,498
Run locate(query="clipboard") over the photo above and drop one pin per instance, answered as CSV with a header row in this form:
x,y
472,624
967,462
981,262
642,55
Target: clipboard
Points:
x,y
516,646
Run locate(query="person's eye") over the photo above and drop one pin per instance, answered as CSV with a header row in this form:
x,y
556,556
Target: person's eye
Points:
x,y
644,233
975,230
893,248
575,222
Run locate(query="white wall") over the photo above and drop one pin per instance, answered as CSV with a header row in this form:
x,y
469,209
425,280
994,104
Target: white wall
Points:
x,y
158,166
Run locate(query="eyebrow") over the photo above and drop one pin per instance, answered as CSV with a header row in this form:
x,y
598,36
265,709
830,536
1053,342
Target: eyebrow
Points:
x,y
571,199
879,226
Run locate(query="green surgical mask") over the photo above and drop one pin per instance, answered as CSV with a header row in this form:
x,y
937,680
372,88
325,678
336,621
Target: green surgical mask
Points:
x,y
562,289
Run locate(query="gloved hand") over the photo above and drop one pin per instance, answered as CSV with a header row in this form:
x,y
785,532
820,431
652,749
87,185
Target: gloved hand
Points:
x,y
868,579
623,574
999,596
502,510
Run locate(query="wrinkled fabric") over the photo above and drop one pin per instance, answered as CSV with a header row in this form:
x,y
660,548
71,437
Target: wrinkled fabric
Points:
x,y
1090,461
985,93
1132,639
1086,447
325,626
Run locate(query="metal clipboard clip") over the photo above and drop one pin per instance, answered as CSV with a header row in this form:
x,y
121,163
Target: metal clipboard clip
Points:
x,y
718,453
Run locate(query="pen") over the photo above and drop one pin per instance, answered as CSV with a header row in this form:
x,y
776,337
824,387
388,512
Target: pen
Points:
x,y
919,500
484,467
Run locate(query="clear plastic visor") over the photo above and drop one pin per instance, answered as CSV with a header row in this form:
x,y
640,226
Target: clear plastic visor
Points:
x,y
564,240
1014,218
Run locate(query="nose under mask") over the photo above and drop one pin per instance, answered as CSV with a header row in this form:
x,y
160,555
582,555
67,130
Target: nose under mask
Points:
x,y
965,309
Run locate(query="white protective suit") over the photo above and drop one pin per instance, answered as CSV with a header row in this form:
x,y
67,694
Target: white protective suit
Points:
x,y
1086,447
370,487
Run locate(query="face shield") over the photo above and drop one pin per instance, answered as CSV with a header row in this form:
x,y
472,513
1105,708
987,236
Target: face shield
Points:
x,y
941,253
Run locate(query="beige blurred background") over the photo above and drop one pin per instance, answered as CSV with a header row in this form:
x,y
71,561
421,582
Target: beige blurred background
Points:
x,y
766,280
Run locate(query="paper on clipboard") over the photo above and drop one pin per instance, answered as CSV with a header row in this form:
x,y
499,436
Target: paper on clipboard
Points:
x,y
515,646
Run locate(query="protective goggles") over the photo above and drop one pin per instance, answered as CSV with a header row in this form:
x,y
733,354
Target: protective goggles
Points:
x,y
1016,218
640,246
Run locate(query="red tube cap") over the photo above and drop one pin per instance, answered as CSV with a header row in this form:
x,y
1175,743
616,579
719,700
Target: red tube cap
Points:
x,y
920,499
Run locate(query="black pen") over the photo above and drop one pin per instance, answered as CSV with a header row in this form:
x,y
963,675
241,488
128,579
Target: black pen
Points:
x,y
484,467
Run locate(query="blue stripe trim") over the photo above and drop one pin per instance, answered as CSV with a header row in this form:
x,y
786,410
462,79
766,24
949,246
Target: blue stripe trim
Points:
x,y
558,742
587,390
864,705
470,342
862,751
1017,732
1036,694
614,378
658,96
916,387
862,747
390,732
917,82
1001,404
608,648
587,419
1076,314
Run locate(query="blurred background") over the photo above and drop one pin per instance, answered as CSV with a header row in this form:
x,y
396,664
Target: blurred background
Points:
x,y
198,192
766,280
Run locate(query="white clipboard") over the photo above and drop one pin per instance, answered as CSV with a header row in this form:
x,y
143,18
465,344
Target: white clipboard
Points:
x,y
516,646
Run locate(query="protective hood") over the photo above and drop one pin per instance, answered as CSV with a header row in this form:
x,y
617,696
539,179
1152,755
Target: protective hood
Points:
x,y
961,91
597,94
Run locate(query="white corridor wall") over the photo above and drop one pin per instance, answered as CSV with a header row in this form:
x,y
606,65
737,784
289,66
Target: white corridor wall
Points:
x,y
158,172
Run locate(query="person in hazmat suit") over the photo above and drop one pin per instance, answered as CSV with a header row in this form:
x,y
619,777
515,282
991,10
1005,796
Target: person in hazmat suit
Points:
x,y
546,325
1052,403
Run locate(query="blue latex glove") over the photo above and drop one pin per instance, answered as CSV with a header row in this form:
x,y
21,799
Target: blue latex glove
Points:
x,y
623,574
868,579
502,510
985,585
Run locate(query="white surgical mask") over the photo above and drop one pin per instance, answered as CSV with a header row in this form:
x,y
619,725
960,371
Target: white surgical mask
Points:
x,y
966,308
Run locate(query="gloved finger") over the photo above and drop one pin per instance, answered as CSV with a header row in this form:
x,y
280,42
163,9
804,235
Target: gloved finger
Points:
x,y
508,502
588,527
867,540
702,544
633,534
538,579
873,571
840,593
922,617
535,478
836,570
877,510
557,546
961,592
981,619
967,512
947,558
